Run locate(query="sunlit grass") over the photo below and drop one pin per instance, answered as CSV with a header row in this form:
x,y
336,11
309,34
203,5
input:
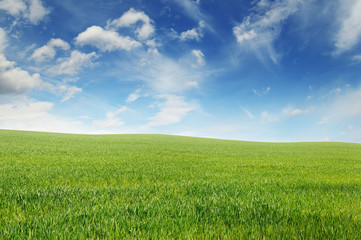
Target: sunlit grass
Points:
x,y
159,187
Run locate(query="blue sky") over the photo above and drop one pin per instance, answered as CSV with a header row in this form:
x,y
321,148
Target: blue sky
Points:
x,y
255,70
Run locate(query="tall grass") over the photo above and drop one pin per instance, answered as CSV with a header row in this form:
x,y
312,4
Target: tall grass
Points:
x,y
169,187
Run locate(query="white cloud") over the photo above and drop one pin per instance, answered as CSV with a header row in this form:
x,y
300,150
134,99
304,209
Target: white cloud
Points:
x,y
349,33
200,58
106,40
108,123
325,139
347,105
356,58
47,52
3,40
23,111
111,120
69,91
269,117
13,7
28,114
37,11
191,84
153,43
74,63
133,96
331,93
14,80
262,92
324,120
194,33
130,18
286,112
291,111
241,32
249,114
258,31
191,8
168,76
33,10
172,110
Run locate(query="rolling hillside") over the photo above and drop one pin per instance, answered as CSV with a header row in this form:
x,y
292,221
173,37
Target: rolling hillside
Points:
x,y
166,187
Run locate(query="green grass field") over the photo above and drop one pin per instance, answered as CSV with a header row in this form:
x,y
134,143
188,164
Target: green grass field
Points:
x,y
169,187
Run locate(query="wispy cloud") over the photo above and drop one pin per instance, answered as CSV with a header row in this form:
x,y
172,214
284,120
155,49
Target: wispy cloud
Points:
x,y
285,113
199,58
134,96
73,64
3,40
69,91
259,30
350,29
112,120
347,105
194,33
172,110
291,111
166,75
262,92
249,114
356,58
191,8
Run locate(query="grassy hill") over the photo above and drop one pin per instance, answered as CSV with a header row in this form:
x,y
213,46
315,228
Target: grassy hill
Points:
x,y
160,187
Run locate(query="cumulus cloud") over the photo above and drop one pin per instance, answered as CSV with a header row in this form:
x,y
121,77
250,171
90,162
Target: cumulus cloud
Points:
x,y
73,64
14,80
172,110
130,18
48,51
194,33
111,120
349,33
259,30
33,10
3,40
37,11
105,40
13,7
200,58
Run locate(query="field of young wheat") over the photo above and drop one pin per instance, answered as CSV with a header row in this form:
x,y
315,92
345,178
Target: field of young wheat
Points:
x,y
164,187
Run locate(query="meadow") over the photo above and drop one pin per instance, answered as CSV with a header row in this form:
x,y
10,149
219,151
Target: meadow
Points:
x,y
63,186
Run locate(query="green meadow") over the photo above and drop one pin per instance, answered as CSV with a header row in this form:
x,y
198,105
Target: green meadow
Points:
x,y
63,186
